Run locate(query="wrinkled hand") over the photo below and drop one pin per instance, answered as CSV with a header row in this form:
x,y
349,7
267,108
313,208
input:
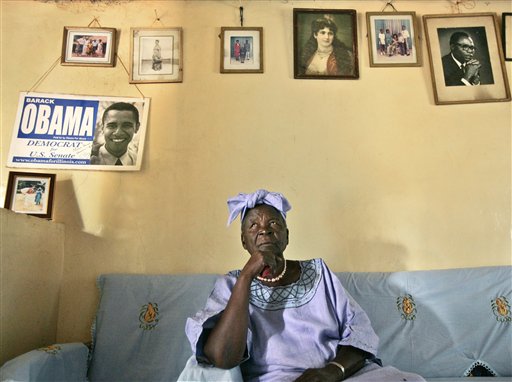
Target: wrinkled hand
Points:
x,y
472,71
330,373
257,263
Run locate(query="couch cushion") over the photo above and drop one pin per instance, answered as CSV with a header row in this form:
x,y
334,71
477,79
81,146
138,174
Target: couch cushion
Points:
x,y
139,331
439,323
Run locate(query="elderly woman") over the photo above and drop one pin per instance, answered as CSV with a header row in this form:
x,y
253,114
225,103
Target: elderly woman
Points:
x,y
278,319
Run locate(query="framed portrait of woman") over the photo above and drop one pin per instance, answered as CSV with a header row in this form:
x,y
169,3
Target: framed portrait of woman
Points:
x,y
156,55
325,44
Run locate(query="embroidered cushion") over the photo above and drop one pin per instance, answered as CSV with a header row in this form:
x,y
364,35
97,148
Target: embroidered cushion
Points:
x,y
442,323
139,332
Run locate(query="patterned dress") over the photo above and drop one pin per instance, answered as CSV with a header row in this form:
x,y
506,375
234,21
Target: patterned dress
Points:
x,y
293,327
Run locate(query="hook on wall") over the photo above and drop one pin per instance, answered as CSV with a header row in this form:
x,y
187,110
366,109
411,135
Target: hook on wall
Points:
x,y
241,16
389,4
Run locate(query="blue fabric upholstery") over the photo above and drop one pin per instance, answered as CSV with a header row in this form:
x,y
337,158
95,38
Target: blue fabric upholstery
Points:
x,y
439,323
140,326
56,363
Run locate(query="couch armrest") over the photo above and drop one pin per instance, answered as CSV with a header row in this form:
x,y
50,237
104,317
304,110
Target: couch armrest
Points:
x,y
60,362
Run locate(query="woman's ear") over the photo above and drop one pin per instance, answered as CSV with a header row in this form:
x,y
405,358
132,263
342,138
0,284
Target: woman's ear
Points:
x,y
243,241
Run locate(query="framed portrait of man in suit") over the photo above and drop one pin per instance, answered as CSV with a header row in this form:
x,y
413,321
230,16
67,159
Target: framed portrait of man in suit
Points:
x,y
466,58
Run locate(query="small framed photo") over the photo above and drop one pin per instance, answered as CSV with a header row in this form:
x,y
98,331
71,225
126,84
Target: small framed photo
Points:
x,y
88,46
466,58
156,55
241,50
393,39
506,35
325,44
30,193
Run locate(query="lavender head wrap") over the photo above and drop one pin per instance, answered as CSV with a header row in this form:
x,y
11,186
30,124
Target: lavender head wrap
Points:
x,y
242,202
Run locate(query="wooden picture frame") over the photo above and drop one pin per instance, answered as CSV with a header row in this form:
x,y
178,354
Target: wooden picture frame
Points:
x,y
241,50
472,38
337,58
156,55
88,46
30,193
506,35
393,39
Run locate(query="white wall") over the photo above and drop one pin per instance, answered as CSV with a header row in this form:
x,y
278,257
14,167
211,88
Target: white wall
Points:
x,y
379,177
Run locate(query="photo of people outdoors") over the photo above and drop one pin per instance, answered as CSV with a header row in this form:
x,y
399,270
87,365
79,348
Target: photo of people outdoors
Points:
x,y
29,193
241,50
89,46
391,39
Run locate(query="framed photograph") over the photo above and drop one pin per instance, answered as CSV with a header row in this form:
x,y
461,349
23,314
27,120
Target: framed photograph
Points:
x,y
156,55
325,44
241,50
393,39
30,193
88,46
466,58
506,35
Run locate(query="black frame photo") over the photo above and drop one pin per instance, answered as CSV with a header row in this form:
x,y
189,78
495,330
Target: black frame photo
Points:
x,y
30,193
325,44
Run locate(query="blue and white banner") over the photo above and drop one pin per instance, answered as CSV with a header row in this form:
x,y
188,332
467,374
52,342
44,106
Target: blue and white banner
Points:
x,y
64,131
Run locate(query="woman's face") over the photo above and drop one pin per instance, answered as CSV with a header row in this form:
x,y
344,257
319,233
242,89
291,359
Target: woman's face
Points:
x,y
324,38
264,230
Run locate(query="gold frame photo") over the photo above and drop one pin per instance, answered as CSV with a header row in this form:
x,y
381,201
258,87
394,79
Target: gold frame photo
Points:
x,y
393,39
88,46
325,44
466,58
156,55
30,193
241,50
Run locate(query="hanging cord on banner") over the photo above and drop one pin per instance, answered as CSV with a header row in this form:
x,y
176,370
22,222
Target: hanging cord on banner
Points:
x,y
45,74
389,4
468,4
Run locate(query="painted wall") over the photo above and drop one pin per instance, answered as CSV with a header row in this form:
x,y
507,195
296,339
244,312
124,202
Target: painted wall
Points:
x,y
380,178
31,277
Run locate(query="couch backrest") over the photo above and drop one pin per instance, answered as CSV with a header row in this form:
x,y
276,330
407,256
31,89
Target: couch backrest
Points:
x,y
439,323
435,323
139,332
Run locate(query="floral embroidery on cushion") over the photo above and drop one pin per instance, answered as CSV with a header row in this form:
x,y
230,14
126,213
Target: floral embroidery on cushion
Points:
x,y
406,306
52,349
148,316
501,309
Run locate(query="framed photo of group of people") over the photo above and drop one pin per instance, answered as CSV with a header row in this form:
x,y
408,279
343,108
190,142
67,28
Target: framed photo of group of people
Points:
x,y
156,54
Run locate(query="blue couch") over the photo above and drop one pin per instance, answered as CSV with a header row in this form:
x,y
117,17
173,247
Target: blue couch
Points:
x,y
445,325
